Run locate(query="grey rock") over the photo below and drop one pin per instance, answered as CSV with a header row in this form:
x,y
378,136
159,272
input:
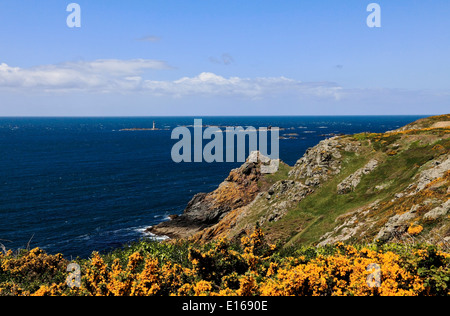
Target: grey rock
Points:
x,y
351,182
319,163
438,212
438,169
397,225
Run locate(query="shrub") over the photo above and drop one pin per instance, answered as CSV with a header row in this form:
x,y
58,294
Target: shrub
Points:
x,y
222,268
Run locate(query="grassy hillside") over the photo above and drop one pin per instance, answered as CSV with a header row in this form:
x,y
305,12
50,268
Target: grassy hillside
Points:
x,y
304,207
395,173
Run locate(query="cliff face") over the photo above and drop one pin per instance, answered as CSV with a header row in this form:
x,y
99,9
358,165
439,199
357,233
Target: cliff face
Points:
x,y
356,188
207,209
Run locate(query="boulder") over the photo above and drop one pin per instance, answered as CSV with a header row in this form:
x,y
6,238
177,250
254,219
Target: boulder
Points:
x,y
438,212
351,182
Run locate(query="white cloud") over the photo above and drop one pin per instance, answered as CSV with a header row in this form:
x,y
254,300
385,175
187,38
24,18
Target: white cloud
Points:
x,y
92,81
99,75
210,84
125,76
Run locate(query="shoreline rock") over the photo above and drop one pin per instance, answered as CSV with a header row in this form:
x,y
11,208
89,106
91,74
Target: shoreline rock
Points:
x,y
206,209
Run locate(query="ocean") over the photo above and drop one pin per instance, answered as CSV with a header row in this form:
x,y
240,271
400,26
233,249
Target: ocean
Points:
x,y
78,185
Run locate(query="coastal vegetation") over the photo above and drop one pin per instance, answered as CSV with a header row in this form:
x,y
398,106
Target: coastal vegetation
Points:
x,y
250,267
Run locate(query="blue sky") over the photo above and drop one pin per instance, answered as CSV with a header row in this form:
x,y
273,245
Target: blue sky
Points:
x,y
203,57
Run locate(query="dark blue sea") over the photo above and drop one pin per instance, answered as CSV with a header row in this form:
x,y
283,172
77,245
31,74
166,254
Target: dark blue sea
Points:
x,y
77,185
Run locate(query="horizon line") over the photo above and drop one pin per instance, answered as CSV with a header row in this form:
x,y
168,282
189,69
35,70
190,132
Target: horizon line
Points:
x,y
194,116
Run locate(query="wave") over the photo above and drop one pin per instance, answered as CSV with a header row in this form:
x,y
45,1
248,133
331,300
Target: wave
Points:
x,y
149,235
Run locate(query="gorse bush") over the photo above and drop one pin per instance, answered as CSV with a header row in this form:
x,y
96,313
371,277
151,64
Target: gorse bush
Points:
x,y
25,272
249,268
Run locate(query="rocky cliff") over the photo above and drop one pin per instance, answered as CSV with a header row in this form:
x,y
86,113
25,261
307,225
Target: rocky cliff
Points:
x,y
207,209
355,188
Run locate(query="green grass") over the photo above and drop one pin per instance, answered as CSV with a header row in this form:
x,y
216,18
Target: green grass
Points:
x,y
281,174
325,205
317,213
318,208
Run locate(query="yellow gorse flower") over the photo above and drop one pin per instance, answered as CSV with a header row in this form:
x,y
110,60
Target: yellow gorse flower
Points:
x,y
224,270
